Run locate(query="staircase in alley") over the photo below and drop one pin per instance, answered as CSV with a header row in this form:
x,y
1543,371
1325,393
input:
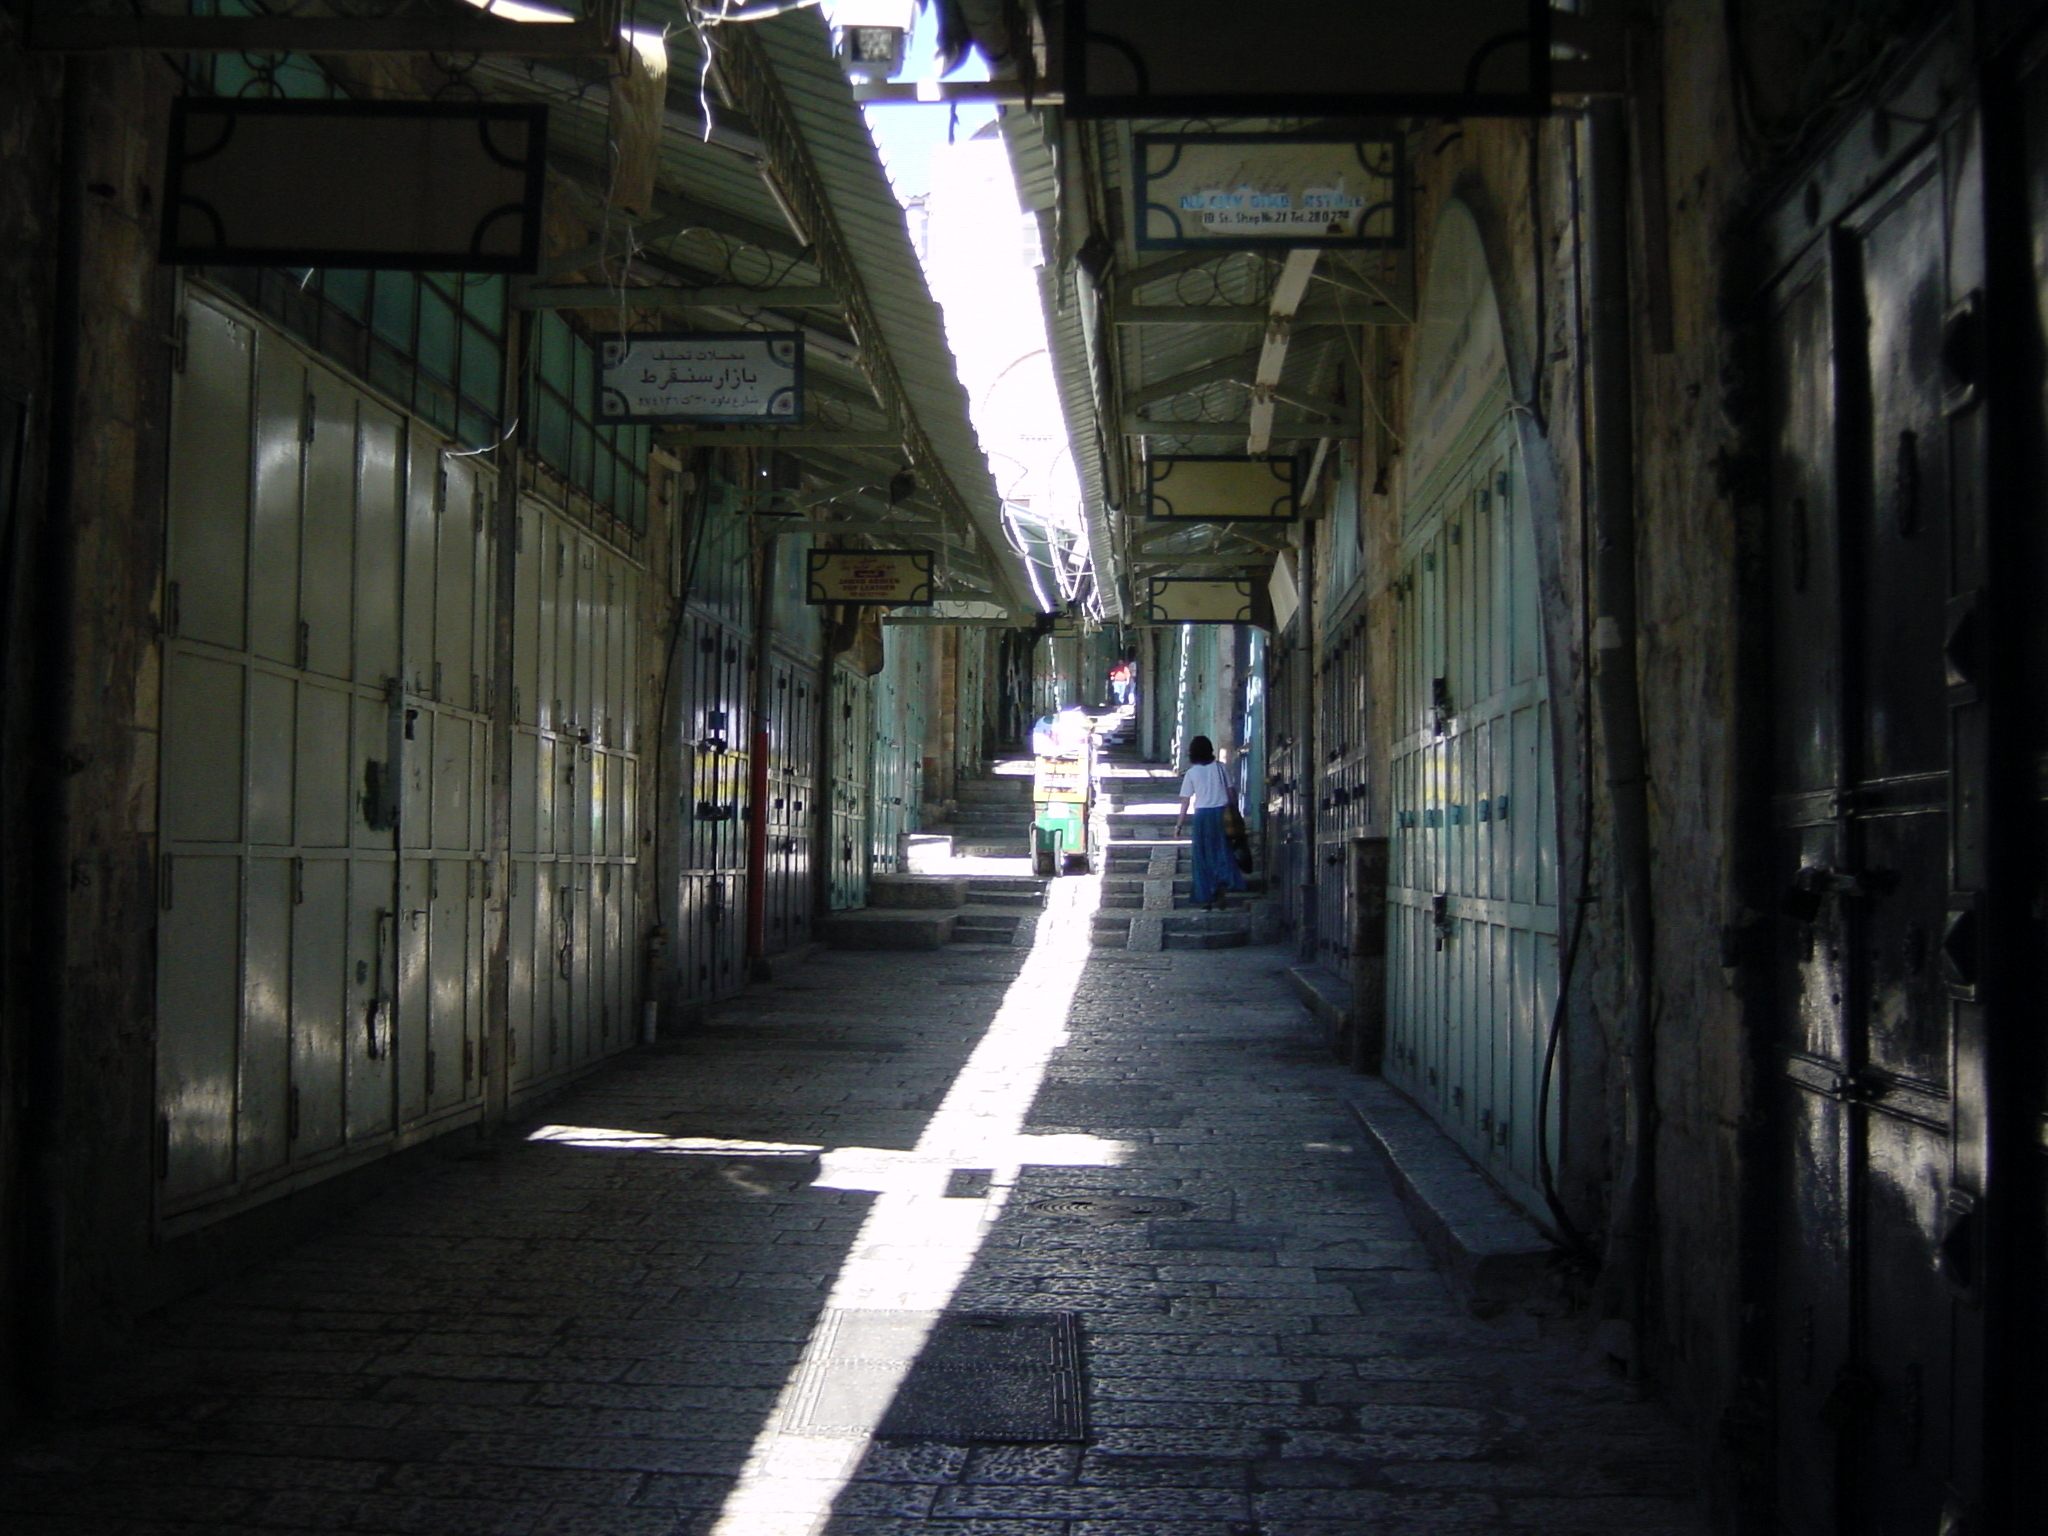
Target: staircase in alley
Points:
x,y
992,817
1147,873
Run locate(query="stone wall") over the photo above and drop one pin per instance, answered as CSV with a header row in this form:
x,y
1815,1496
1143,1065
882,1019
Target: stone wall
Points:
x,y
1526,184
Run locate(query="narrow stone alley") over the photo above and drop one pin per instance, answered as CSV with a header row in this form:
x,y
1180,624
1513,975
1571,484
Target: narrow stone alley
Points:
x,y
1111,1203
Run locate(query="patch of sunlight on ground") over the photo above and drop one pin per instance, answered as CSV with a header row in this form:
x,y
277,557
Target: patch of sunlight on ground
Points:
x,y
917,1245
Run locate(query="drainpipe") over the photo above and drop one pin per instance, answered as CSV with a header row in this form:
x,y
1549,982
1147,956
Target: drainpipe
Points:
x,y
41,1319
1617,704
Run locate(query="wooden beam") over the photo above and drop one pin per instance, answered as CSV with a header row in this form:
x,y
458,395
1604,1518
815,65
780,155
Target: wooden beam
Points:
x,y
623,239
1287,296
1236,368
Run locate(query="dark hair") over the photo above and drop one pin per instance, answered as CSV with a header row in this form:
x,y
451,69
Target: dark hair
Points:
x,y
1201,750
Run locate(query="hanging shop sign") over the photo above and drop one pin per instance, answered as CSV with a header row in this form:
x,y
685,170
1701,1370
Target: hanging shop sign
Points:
x,y
1302,58
1221,488
1282,591
870,577
415,186
1200,600
1236,191
702,377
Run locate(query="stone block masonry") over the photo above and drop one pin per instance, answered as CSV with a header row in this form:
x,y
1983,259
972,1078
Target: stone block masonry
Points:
x,y
589,1332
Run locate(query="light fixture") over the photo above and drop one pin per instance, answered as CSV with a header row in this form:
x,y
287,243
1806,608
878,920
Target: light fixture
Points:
x,y
869,36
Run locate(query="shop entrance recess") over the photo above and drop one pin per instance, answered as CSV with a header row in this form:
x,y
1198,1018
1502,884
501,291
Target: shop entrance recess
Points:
x,y
1472,900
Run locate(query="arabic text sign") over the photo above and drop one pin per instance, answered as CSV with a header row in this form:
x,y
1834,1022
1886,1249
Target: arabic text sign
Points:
x,y
1238,189
730,376
871,577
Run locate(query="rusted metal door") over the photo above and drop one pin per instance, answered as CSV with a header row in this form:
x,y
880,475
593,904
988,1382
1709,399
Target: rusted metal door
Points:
x,y
1878,843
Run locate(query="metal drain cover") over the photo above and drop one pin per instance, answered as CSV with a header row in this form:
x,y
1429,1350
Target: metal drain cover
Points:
x,y
957,1376
1110,1207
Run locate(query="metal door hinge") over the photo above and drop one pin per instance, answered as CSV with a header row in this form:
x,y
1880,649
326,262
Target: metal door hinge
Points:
x,y
309,416
180,340
163,881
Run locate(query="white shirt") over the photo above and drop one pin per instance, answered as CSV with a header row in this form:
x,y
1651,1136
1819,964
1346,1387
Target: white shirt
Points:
x,y
1207,784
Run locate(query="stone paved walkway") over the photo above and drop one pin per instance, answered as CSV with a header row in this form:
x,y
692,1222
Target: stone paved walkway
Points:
x,y
604,1330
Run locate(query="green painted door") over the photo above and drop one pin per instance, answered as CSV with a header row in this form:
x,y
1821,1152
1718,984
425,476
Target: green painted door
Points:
x,y
1473,912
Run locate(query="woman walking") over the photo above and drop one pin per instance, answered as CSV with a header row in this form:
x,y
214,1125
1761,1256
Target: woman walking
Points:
x,y
1205,789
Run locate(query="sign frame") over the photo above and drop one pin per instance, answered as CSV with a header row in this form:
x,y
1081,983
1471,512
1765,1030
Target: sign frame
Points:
x,y
1084,100
174,246
1396,175
1248,612
817,595
768,340
1290,496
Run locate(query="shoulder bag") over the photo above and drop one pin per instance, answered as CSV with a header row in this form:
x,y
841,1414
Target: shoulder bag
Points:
x,y
1235,838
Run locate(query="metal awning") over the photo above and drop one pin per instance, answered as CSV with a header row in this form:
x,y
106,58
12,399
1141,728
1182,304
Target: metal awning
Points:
x,y
1207,351
770,210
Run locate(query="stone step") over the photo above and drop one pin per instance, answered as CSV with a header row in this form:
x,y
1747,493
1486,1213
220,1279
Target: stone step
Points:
x,y
1207,938
986,928
993,792
916,892
1027,900
871,928
1031,885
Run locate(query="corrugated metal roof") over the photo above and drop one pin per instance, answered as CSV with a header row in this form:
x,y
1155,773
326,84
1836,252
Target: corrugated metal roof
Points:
x,y
795,49
878,240
1037,171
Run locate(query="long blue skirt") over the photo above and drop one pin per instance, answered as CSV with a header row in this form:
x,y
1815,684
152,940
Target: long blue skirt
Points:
x,y
1215,869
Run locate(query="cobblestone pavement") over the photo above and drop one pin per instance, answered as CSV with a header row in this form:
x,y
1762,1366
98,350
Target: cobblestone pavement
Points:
x,y
601,1330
